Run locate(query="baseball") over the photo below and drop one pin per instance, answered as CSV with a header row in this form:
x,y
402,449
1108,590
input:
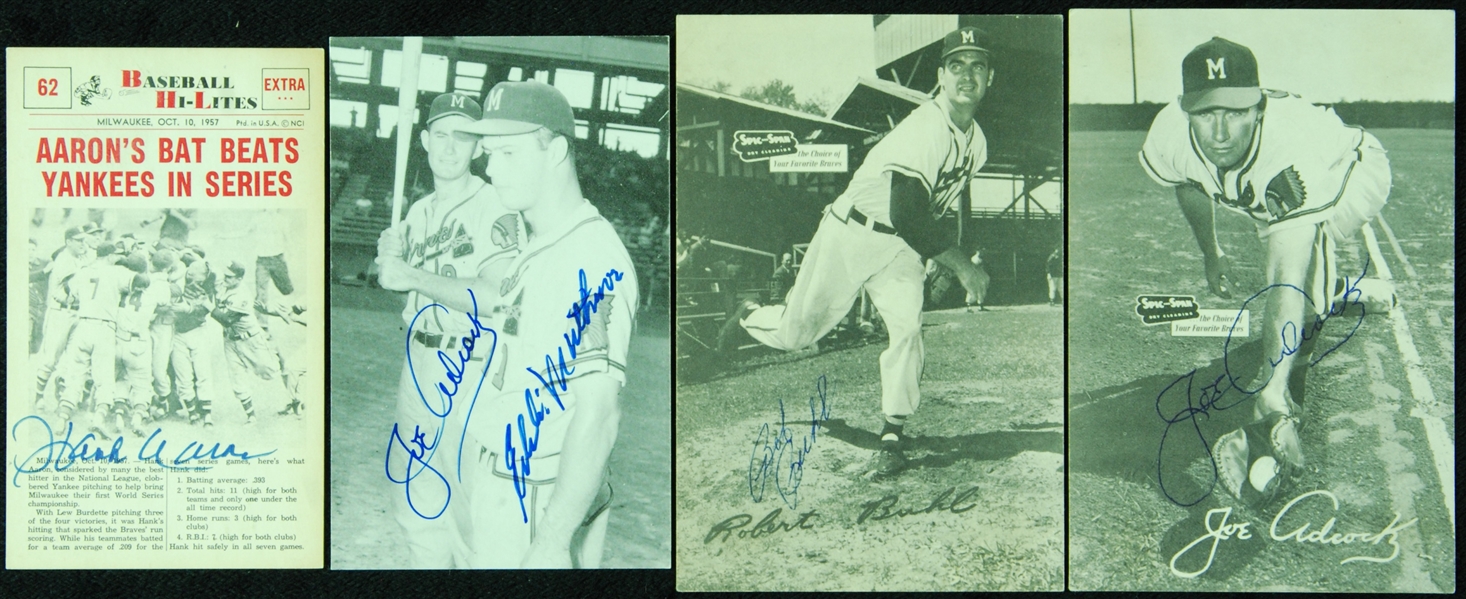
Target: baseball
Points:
x,y
1264,470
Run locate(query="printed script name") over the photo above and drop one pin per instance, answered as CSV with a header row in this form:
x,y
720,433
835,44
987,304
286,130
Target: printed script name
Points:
x,y
1218,530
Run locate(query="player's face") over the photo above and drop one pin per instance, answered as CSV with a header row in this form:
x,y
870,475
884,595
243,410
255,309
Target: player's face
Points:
x,y
449,150
77,245
518,167
232,281
1225,134
965,77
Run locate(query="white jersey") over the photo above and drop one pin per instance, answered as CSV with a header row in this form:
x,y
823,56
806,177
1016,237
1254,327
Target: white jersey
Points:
x,y
541,316
456,238
927,146
1296,169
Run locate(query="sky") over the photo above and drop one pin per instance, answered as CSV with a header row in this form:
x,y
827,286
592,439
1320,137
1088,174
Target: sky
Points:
x,y
819,55
1325,56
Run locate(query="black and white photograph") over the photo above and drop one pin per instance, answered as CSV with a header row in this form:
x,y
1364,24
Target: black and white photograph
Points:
x,y
500,248
207,333
1261,311
869,303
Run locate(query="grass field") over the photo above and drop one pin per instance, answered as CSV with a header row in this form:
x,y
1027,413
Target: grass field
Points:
x,y
989,421
366,361
1363,440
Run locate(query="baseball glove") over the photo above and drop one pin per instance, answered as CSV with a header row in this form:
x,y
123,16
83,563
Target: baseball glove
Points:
x,y
1258,461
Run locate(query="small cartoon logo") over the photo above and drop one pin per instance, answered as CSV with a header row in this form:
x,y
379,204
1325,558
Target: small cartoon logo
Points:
x,y
92,88
505,233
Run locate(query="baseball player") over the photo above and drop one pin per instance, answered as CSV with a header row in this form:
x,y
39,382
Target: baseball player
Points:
x,y
1054,269
877,233
60,307
168,274
280,317
246,344
456,239
101,289
192,369
537,492
1306,180
135,348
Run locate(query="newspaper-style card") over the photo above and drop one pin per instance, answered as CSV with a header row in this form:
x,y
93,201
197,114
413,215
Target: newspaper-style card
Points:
x,y
164,368
869,282
1261,346
499,282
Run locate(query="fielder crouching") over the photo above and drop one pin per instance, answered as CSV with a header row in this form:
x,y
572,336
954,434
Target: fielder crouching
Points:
x,y
1306,180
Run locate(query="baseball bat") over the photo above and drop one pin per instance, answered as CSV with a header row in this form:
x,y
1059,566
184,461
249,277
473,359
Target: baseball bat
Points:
x,y
406,107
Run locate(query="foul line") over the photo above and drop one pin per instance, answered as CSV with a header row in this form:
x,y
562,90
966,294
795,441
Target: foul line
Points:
x,y
1439,442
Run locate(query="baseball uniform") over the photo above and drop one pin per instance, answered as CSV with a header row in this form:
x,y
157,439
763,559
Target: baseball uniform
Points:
x,y
858,245
135,346
1305,168
533,317
100,290
192,369
60,314
246,345
463,237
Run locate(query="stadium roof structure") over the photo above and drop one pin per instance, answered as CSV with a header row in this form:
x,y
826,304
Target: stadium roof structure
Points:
x,y
1023,113
698,106
877,104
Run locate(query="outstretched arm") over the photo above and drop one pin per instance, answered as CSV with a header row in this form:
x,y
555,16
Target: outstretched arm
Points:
x,y
1200,213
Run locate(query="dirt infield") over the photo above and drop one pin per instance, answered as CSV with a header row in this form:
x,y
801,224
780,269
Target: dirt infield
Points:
x,y
980,509
1364,442
366,360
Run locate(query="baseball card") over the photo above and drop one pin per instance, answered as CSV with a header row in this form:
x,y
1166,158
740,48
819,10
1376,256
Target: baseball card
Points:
x,y
165,366
1261,322
870,303
500,250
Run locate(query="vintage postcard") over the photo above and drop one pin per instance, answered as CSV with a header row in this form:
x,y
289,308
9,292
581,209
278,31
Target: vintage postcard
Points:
x,y
500,248
165,365
1261,346
869,288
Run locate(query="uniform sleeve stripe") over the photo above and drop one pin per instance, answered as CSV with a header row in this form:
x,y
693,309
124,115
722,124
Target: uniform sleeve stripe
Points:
x,y
1145,162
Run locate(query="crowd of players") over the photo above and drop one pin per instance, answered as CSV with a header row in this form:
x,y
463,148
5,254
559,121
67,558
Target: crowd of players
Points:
x,y
120,326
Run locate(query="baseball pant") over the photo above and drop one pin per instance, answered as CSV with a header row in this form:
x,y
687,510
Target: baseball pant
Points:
x,y
1365,191
288,342
162,353
491,518
437,542
92,351
274,267
844,257
249,356
135,361
193,372
59,323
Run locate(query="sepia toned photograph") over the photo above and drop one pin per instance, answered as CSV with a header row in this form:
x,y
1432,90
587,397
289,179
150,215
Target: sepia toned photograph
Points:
x,y
869,303
500,251
1261,313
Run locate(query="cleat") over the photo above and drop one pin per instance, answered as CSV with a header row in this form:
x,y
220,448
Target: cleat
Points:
x,y
888,462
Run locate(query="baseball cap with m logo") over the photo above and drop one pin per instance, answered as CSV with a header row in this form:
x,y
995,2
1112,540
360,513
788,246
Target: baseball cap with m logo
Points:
x,y
1219,74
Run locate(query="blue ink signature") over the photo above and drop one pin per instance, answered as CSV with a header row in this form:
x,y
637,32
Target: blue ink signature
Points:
x,y
517,460
419,449
60,455
1213,394
772,457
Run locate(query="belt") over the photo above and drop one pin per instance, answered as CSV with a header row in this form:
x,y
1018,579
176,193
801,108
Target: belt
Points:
x,y
870,223
242,335
439,341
